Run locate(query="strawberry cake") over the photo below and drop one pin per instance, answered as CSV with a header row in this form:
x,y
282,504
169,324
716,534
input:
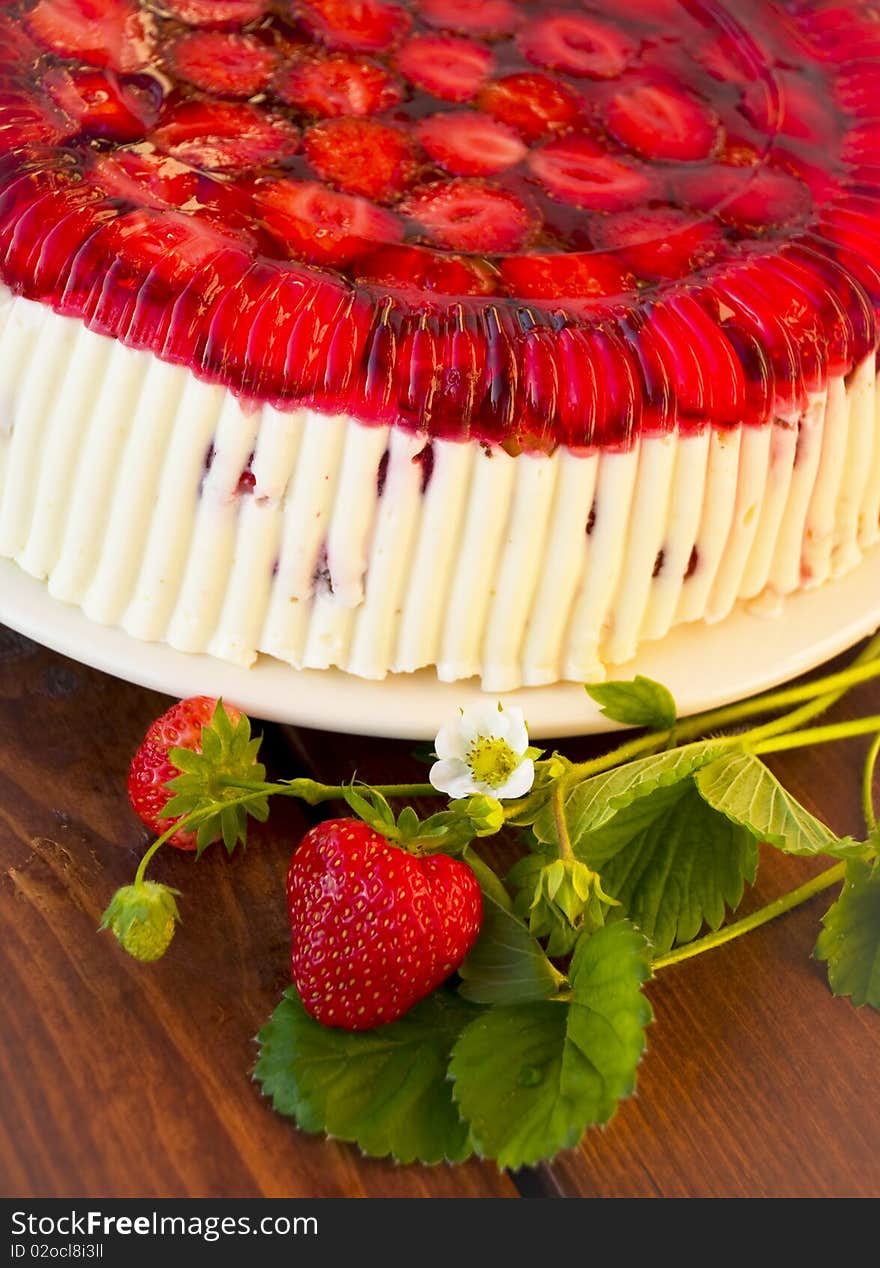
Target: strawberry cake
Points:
x,y
487,335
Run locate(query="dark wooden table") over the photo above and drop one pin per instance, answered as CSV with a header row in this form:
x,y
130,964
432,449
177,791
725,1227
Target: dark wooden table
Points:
x,y
120,1080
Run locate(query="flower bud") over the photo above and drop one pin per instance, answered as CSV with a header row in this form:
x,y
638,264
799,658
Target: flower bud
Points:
x,y
142,918
485,813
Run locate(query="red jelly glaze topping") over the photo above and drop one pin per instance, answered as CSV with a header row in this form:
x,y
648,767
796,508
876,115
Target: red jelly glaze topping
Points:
x,y
525,223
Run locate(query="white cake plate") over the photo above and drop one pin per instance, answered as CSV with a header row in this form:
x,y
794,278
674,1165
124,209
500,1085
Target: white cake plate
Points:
x,y
703,666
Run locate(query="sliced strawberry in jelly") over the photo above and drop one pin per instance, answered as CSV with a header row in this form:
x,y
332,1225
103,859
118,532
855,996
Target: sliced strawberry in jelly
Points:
x,y
662,121
216,12
470,215
336,85
362,156
536,105
114,33
361,26
793,109
322,226
222,62
576,44
659,242
225,135
175,246
576,276
153,180
736,151
421,270
750,198
26,122
444,66
487,18
577,171
102,105
470,144
16,48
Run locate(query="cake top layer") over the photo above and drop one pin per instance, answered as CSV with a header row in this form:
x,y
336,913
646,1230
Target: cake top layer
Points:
x,y
534,224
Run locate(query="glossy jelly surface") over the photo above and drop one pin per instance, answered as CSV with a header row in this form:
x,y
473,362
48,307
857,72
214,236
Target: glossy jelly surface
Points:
x,y
526,223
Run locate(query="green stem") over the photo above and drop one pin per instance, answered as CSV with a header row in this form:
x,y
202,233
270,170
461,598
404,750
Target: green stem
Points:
x,y
868,784
814,735
761,917
818,695
310,791
192,820
565,847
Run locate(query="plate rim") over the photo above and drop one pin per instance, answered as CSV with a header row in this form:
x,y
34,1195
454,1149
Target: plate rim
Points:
x,y
705,666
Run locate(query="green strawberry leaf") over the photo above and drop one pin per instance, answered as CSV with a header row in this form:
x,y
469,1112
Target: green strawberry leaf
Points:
x,y
229,753
372,807
595,801
530,1078
640,702
505,965
385,1090
741,787
850,940
673,863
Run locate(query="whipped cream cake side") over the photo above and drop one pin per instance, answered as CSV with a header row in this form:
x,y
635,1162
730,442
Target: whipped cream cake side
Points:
x,y
470,335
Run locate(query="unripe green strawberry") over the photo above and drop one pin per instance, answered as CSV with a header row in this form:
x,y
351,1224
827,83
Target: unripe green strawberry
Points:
x,y
142,917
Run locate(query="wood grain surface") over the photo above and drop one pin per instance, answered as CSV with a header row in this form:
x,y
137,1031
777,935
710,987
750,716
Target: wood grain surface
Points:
x,y
121,1080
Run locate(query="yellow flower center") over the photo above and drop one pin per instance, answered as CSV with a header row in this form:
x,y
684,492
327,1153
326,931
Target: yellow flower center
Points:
x,y
492,761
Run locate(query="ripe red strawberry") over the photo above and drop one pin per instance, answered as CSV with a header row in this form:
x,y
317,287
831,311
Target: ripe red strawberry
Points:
x,y
361,26
179,727
362,156
485,18
100,104
222,62
535,105
662,121
576,44
470,215
449,68
112,33
417,268
576,276
373,928
216,12
224,135
319,225
576,170
658,242
470,144
337,85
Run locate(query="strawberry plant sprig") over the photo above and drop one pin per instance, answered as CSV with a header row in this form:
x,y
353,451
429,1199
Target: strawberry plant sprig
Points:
x,y
514,1004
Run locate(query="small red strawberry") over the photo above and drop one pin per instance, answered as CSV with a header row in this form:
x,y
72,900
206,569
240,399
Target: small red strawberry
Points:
x,y
449,68
225,63
576,170
100,104
112,33
662,121
336,85
486,18
216,12
536,105
576,44
225,135
151,768
362,156
374,929
470,215
321,226
467,143
361,26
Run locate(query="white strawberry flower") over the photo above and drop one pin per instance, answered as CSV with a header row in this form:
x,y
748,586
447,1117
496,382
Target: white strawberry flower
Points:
x,y
484,751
